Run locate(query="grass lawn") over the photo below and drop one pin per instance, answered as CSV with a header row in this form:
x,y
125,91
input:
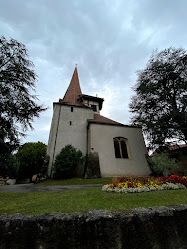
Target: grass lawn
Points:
x,y
77,181
81,200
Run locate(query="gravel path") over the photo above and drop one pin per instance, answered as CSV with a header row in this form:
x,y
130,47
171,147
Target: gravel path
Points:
x,y
30,187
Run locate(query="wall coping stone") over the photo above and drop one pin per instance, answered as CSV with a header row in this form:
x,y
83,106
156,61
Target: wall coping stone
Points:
x,y
139,228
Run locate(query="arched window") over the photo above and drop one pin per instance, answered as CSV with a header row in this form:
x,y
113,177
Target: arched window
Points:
x,y
121,147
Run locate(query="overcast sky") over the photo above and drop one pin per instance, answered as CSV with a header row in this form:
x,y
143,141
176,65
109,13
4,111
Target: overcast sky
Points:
x,y
108,39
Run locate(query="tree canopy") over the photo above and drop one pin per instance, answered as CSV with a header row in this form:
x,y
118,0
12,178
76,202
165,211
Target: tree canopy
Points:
x,y
18,105
31,157
159,105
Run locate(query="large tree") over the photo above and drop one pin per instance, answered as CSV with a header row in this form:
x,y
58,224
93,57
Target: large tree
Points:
x,y
31,157
18,105
159,105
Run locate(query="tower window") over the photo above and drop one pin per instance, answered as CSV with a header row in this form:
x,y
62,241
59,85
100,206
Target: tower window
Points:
x,y
70,122
94,108
121,147
71,108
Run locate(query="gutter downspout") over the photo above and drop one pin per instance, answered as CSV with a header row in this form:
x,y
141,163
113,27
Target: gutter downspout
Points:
x,y
86,163
87,139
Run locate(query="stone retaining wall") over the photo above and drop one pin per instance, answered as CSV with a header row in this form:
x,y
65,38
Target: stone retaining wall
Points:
x,y
141,228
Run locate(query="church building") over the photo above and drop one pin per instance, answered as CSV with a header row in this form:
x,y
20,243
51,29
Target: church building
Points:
x,y
118,149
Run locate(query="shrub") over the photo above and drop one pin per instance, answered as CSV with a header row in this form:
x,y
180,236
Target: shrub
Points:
x,y
9,166
31,157
161,164
66,162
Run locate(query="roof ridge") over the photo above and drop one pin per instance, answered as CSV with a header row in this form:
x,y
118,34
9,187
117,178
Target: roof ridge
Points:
x,y
108,119
99,119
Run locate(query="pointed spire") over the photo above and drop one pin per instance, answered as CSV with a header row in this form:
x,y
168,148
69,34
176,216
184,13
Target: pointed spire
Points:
x,y
73,90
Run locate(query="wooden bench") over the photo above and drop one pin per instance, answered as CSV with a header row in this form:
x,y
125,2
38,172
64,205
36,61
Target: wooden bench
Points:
x,y
3,181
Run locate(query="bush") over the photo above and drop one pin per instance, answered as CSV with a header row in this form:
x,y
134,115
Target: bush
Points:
x,y
31,157
162,165
9,166
66,162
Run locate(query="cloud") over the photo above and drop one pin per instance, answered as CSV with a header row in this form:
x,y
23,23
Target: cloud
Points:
x,y
108,39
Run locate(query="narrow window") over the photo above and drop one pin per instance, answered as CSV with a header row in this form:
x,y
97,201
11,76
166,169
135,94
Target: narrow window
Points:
x,y
120,147
117,149
124,149
70,122
71,108
94,108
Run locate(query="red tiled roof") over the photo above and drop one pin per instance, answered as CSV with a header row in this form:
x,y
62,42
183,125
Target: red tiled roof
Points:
x,y
103,120
171,148
99,119
176,147
73,90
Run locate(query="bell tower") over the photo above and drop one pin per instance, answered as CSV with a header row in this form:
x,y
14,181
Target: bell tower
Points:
x,y
69,122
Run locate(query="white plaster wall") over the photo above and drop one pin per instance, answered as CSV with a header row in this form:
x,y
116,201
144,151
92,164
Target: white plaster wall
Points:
x,y
101,141
52,136
64,133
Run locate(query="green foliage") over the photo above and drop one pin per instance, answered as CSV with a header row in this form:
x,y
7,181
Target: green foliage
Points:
x,y
17,104
9,166
31,157
66,162
162,165
159,105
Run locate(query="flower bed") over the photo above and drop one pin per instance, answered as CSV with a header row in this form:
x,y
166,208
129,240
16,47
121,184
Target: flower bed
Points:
x,y
145,184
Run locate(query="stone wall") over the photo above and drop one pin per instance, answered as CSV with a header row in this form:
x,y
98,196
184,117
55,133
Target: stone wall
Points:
x,y
141,228
92,168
